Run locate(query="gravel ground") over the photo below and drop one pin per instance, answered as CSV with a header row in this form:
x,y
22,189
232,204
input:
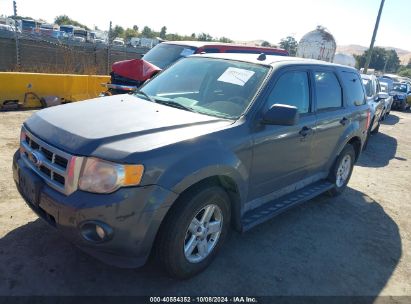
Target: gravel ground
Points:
x,y
356,244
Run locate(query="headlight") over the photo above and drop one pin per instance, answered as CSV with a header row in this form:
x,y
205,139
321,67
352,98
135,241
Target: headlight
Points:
x,y
100,176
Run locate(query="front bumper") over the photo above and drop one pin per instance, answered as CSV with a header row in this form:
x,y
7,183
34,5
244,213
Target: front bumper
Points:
x,y
397,104
134,214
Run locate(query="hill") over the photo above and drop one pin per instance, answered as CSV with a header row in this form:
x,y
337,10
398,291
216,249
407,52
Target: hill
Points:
x,y
355,49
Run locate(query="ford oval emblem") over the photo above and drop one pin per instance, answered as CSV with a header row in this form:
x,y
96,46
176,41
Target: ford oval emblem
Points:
x,y
35,157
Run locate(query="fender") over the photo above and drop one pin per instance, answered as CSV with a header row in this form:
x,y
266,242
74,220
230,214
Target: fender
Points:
x,y
203,164
353,130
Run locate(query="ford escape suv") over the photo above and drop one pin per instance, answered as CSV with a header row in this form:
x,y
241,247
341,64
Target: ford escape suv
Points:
x,y
215,141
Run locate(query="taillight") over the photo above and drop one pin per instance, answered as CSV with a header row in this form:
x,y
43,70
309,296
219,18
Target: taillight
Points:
x,y
368,119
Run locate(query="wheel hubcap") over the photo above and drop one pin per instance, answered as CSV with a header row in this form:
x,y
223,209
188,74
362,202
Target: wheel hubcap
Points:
x,y
203,233
343,170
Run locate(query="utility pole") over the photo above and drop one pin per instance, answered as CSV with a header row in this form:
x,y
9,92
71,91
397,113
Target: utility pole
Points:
x,y
377,23
108,47
16,36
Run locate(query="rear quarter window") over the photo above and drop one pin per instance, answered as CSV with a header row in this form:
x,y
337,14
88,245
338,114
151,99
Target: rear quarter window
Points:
x,y
354,89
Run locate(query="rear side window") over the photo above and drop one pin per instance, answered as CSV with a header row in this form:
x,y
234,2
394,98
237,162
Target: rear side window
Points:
x,y
292,89
328,89
354,89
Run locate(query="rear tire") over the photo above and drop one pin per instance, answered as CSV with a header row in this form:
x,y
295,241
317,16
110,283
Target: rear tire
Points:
x,y
180,231
377,128
341,171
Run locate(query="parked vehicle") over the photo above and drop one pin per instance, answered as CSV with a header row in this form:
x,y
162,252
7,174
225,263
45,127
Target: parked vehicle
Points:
x,y
118,42
214,141
82,33
128,75
375,100
28,25
79,39
400,93
6,27
68,29
388,99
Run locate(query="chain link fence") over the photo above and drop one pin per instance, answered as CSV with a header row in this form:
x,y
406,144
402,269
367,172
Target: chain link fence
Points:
x,y
41,54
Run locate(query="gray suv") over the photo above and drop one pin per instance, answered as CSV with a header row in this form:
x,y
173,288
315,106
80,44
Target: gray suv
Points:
x,y
213,142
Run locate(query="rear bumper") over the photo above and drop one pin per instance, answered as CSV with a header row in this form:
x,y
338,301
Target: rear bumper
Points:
x,y
134,214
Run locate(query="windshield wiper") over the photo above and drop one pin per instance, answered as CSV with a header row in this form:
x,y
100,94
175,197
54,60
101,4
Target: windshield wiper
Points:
x,y
145,95
174,104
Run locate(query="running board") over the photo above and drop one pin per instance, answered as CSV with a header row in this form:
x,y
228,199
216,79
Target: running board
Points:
x,y
269,210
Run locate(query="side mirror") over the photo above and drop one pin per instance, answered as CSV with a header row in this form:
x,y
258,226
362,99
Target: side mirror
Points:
x,y
280,114
382,95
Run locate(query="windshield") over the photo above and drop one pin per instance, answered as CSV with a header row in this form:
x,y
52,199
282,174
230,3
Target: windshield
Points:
x,y
400,87
384,87
163,55
368,86
67,29
216,87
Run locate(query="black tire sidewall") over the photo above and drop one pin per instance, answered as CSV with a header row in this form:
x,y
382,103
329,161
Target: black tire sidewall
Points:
x,y
173,256
348,149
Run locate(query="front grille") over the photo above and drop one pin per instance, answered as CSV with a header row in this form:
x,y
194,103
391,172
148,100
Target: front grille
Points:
x,y
48,162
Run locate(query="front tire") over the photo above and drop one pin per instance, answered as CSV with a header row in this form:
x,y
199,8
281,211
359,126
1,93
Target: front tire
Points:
x,y
341,172
377,128
194,231
404,106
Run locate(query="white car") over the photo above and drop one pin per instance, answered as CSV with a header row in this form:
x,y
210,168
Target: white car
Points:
x,y
6,27
79,39
118,42
388,101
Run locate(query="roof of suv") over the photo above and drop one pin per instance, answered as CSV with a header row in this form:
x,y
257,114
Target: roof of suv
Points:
x,y
270,59
199,44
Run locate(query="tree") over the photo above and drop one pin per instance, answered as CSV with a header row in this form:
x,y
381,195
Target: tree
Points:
x,y
163,32
135,27
118,31
408,66
289,44
130,33
66,20
392,62
225,40
405,72
265,43
381,60
148,32
204,37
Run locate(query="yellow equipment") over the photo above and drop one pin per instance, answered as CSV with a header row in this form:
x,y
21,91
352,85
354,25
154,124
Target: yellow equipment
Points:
x,y
34,90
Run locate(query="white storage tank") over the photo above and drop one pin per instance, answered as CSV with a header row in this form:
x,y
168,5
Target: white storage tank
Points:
x,y
345,59
318,44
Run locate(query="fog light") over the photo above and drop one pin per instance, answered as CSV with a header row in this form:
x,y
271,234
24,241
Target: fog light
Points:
x,y
96,231
100,232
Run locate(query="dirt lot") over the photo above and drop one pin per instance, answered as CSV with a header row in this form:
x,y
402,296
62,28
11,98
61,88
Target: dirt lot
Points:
x,y
356,244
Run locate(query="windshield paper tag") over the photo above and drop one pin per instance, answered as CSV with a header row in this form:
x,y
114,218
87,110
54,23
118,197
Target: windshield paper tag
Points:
x,y
236,76
187,52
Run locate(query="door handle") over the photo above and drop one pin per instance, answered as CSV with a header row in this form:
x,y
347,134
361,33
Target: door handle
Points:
x,y
344,121
305,131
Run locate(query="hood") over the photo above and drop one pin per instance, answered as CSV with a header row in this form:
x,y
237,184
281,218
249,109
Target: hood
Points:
x,y
136,69
115,127
398,93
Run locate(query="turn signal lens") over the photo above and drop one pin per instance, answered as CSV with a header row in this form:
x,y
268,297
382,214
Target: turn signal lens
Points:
x,y
133,174
100,176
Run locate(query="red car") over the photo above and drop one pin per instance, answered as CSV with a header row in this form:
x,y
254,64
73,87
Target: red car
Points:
x,y
128,75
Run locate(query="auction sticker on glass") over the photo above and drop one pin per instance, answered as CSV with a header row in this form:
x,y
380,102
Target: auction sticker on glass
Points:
x,y
236,76
187,52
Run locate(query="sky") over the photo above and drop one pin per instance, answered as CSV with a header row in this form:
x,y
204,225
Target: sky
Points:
x,y
350,21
